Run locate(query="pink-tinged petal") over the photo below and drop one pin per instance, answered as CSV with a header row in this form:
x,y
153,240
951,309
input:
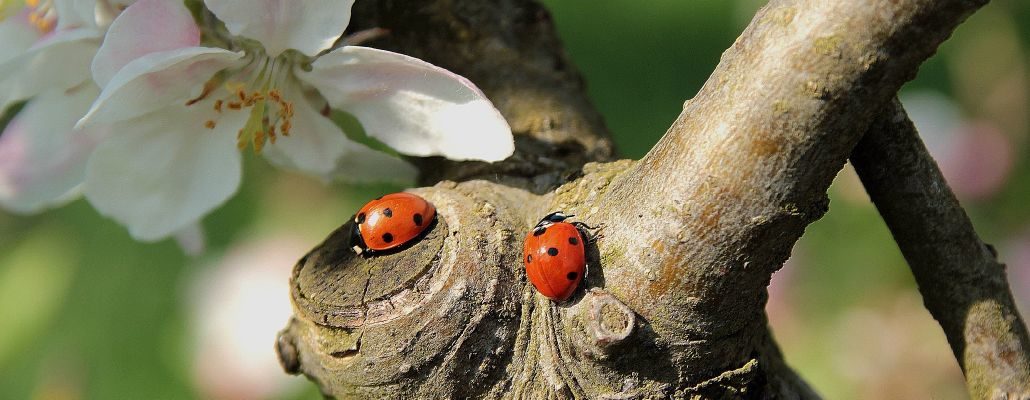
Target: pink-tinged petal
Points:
x,y
308,26
164,171
42,158
191,239
60,61
158,80
16,36
314,144
148,26
108,10
412,106
75,14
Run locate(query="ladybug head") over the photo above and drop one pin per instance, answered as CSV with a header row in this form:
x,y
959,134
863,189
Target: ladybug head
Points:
x,y
551,218
357,243
557,216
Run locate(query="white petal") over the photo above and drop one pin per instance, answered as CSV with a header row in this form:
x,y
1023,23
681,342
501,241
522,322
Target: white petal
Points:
x,y
413,106
75,14
157,80
16,36
42,158
148,26
60,61
361,164
160,173
308,26
318,147
314,144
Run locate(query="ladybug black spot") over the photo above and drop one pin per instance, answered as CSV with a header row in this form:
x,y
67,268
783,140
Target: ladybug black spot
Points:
x,y
573,241
387,237
552,251
529,258
387,212
418,219
539,231
360,219
572,275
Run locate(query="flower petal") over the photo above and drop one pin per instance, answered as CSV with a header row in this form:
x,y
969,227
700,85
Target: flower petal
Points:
x,y
413,106
361,164
75,14
148,26
162,172
16,36
308,26
191,239
157,80
42,158
60,61
314,144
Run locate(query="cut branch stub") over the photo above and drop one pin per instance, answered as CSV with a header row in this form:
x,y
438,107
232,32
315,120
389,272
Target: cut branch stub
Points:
x,y
453,315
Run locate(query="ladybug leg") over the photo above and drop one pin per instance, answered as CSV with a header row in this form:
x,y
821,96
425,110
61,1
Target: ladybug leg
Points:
x,y
591,233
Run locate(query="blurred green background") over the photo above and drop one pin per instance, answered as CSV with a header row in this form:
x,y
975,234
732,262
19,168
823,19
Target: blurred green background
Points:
x,y
86,312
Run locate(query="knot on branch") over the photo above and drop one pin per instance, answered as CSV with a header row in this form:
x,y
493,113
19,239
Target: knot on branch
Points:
x,y
608,320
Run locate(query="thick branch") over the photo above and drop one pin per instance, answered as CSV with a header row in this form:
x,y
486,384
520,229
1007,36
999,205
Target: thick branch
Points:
x,y
962,283
672,304
705,218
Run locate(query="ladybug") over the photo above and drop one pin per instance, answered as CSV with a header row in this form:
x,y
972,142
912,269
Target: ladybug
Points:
x,y
390,221
555,256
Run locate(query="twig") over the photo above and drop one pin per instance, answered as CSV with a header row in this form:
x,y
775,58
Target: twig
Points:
x,y
962,283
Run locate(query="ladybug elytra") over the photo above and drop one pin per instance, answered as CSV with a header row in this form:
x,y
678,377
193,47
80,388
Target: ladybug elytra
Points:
x,y
390,222
555,256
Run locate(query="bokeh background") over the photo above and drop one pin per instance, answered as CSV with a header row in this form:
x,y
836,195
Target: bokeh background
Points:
x,y
87,313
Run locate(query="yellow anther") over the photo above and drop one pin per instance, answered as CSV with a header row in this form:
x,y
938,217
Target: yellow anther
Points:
x,y
209,124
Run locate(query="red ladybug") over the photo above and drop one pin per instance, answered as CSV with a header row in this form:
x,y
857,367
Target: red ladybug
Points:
x,y
555,257
390,222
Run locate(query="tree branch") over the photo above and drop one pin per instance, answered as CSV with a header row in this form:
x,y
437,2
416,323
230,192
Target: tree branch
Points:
x,y
706,217
962,283
674,296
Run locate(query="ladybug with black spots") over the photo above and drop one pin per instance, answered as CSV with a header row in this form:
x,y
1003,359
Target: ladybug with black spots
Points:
x,y
390,221
555,256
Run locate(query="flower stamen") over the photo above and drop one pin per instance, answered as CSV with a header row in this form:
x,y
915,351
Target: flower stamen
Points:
x,y
270,113
42,15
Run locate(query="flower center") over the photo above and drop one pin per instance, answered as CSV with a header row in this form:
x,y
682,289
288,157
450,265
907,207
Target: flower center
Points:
x,y
257,89
42,15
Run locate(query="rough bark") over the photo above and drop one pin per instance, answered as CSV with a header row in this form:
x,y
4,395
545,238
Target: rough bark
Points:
x,y
673,303
962,283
